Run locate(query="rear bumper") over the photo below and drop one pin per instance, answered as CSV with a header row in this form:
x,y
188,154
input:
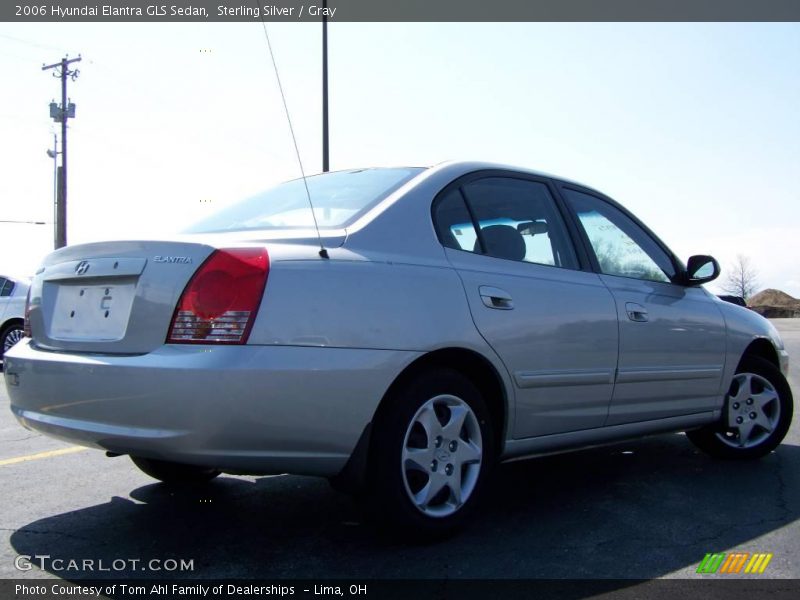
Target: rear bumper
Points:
x,y
250,409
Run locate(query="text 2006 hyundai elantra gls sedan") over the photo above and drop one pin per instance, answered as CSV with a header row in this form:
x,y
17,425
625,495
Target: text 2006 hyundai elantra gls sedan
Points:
x,y
442,320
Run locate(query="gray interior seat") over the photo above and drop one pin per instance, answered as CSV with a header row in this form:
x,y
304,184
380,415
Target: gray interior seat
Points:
x,y
502,241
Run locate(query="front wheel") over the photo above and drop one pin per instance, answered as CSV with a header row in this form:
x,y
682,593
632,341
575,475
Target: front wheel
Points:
x,y
755,417
175,473
432,451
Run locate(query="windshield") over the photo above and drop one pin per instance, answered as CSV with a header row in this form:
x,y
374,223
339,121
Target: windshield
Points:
x,y
339,199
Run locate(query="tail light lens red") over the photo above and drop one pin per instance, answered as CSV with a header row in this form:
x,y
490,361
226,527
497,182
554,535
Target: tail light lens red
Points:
x,y
221,299
26,326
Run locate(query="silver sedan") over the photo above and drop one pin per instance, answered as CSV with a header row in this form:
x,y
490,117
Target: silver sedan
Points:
x,y
412,329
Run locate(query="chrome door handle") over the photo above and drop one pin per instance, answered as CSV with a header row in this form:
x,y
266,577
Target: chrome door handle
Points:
x,y
496,298
636,312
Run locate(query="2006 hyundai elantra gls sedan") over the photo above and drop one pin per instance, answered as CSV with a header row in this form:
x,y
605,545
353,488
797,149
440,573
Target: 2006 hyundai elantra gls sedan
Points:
x,y
430,324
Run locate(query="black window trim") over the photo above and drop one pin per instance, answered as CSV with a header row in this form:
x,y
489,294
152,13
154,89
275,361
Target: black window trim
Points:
x,y
680,270
475,224
562,210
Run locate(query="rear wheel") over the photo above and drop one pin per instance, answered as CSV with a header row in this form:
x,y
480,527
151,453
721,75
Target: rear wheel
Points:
x,y
11,334
176,473
432,451
755,417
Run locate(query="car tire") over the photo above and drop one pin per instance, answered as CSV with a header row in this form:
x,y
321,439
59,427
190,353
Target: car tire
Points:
x,y
432,451
174,473
755,416
12,333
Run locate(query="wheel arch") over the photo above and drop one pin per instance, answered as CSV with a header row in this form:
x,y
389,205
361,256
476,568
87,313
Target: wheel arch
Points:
x,y
471,365
759,359
474,367
12,321
761,348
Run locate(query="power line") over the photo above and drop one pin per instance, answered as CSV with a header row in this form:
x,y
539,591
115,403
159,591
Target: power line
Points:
x,y
24,59
30,43
25,222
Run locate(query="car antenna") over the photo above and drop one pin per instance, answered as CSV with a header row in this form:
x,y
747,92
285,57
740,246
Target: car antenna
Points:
x,y
322,250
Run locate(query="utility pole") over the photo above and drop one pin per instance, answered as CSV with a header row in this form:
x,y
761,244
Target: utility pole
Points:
x,y
325,163
61,114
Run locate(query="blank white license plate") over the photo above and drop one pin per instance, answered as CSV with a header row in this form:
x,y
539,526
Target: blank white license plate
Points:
x,y
92,312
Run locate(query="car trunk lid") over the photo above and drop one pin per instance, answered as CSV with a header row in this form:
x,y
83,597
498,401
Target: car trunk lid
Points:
x,y
120,297
111,297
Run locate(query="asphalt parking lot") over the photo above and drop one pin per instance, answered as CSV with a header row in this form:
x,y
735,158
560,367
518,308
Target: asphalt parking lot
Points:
x,y
644,509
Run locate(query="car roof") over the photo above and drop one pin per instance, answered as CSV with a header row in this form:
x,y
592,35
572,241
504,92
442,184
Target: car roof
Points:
x,y
457,168
460,168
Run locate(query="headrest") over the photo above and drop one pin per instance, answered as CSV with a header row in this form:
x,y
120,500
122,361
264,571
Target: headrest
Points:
x,y
502,241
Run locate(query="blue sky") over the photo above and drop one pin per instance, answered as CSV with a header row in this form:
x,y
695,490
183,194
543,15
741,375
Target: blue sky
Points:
x,y
694,127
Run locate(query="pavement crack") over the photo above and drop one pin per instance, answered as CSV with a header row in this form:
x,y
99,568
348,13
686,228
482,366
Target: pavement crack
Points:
x,y
782,502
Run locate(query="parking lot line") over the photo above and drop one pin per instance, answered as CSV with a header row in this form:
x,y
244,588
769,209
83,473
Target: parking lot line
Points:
x,y
48,454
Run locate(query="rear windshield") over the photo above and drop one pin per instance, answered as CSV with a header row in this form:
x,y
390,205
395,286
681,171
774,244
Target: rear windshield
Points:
x,y
339,199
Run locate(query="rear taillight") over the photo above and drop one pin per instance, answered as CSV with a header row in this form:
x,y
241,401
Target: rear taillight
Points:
x,y
26,326
221,299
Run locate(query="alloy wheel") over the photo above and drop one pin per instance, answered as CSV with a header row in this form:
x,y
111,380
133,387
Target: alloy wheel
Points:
x,y
12,337
753,410
442,454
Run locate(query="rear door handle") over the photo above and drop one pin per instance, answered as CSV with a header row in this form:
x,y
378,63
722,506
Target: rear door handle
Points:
x,y
636,312
496,298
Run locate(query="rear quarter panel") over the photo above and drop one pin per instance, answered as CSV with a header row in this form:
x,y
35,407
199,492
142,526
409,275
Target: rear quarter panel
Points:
x,y
388,287
364,304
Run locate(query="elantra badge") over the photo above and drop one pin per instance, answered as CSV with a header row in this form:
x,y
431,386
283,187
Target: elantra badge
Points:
x,y
183,260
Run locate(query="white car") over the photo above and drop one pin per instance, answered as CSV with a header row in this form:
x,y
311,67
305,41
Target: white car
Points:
x,y
13,291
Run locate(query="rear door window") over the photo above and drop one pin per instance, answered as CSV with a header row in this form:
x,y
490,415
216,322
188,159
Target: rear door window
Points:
x,y
507,218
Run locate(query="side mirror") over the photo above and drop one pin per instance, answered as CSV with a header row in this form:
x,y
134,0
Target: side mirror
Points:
x,y
701,269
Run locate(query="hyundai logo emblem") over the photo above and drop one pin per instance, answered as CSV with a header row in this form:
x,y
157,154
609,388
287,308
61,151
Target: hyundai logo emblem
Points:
x,y
82,267
442,455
